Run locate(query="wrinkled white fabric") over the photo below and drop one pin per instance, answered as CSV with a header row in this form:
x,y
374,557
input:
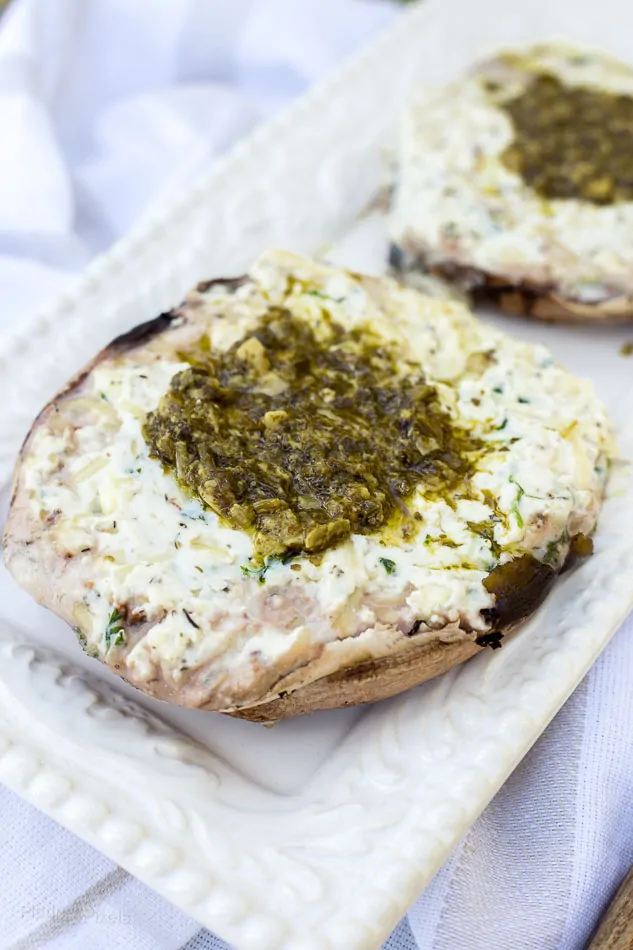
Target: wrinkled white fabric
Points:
x,y
546,857
107,107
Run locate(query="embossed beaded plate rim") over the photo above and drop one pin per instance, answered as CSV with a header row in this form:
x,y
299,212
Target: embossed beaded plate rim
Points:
x,y
318,834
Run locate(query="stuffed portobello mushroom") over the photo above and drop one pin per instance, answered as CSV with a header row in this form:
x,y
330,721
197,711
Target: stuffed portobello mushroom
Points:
x,y
516,183
303,489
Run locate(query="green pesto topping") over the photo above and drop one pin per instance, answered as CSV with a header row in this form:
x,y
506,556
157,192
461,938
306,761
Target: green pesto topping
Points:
x,y
486,530
571,141
518,586
302,436
388,564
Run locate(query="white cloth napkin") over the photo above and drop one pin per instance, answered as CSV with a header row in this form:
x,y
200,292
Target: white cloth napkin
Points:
x,y
106,106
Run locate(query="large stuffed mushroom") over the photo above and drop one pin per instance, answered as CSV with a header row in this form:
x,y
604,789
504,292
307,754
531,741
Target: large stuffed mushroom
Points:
x,y
304,489
515,183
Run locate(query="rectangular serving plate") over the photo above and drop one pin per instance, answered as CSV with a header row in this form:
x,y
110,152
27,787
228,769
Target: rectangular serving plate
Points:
x,y
318,834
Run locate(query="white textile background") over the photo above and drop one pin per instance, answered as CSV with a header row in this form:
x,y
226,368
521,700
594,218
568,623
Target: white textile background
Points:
x,y
107,106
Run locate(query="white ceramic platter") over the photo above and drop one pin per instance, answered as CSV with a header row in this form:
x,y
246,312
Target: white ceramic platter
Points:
x,y
315,835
